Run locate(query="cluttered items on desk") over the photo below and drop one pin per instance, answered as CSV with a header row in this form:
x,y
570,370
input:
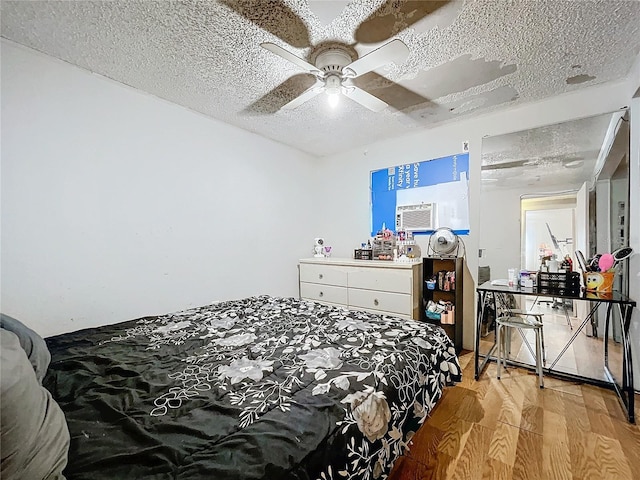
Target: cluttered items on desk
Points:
x,y
599,271
561,283
596,273
400,247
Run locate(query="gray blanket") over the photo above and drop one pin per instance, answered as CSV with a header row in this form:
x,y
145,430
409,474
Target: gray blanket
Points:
x,y
33,429
32,343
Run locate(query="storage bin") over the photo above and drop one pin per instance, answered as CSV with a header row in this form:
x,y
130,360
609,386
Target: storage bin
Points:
x,y
432,315
362,254
599,281
448,317
564,283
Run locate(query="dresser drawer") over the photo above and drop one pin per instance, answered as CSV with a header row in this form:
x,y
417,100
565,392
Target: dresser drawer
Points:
x,y
323,293
324,274
389,280
399,303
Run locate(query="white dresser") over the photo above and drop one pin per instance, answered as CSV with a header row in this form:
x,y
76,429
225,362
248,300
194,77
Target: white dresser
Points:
x,y
379,286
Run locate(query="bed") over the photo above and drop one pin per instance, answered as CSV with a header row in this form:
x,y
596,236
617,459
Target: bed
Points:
x,y
257,388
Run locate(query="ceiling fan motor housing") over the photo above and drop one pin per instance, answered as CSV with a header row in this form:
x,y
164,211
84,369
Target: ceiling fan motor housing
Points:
x,y
332,60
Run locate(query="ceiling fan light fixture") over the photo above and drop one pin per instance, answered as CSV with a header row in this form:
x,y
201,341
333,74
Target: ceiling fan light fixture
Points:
x,y
333,86
333,98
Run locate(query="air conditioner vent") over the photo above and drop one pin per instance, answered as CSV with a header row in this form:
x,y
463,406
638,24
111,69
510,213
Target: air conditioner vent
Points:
x,y
415,218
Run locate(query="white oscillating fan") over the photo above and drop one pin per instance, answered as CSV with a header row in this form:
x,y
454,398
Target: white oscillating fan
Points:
x,y
444,243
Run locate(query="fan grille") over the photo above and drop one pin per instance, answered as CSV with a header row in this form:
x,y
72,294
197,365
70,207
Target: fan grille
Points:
x,y
443,241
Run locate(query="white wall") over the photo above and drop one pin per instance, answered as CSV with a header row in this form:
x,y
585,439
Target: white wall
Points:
x,y
345,220
560,221
500,229
116,204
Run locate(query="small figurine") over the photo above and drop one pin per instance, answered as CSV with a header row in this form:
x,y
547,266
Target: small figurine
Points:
x,y
318,247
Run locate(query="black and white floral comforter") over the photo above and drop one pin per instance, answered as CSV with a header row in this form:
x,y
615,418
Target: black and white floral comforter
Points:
x,y
259,388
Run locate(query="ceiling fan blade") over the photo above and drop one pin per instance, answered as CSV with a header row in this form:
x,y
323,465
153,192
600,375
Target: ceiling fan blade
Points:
x,y
391,18
305,97
394,94
394,51
273,101
278,50
275,17
365,99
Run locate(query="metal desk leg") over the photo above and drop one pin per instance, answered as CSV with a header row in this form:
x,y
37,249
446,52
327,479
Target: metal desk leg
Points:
x,y
594,326
625,393
566,315
606,337
482,301
575,334
479,315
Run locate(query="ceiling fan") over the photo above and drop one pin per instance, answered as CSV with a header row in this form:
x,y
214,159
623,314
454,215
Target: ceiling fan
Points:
x,y
334,67
334,71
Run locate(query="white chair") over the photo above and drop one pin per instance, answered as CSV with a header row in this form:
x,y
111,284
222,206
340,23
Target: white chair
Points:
x,y
511,318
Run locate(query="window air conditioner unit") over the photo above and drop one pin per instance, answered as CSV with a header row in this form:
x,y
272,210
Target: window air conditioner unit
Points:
x,y
415,218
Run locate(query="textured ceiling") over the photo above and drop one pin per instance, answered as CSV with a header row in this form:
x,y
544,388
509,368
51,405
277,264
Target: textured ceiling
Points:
x,y
561,156
466,57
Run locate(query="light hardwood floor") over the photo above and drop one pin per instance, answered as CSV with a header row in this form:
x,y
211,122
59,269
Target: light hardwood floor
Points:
x,y
512,429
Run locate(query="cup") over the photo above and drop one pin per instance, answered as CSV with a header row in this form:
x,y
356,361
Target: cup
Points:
x,y
512,277
599,281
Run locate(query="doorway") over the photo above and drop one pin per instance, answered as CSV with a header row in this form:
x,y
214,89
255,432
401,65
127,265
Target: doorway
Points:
x,y
548,229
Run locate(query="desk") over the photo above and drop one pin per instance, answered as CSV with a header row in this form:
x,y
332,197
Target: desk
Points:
x,y
623,386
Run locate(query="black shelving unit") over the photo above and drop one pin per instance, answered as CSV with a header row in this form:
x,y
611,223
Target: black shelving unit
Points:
x,y
431,266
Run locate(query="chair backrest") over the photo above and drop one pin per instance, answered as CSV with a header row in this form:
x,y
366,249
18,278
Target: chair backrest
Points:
x,y
507,307
484,274
505,304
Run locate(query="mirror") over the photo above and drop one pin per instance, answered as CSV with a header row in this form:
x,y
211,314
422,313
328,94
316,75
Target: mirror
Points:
x,y
545,193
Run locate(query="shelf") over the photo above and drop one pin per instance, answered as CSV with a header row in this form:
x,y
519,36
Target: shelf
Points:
x,y
431,267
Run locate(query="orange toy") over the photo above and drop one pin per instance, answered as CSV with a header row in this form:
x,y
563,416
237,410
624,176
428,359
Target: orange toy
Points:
x,y
599,281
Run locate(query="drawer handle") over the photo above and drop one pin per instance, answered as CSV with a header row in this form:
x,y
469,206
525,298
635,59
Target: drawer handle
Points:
x,y
321,294
320,276
375,302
